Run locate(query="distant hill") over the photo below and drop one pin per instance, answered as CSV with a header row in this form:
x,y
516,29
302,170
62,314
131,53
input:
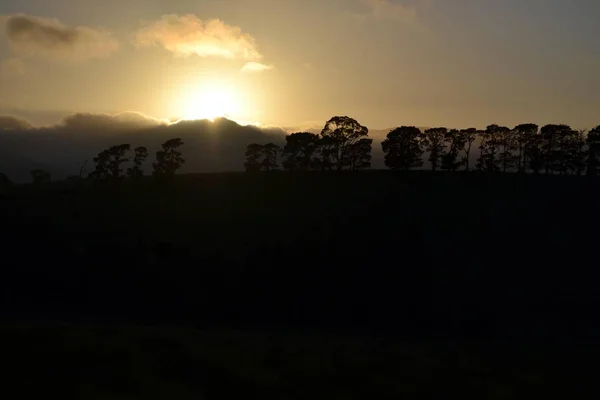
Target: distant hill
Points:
x,y
209,146
62,149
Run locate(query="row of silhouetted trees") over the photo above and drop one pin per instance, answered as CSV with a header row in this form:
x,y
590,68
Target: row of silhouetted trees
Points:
x,y
109,163
344,144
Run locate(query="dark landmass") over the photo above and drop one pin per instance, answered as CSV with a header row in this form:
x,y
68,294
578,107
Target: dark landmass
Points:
x,y
132,362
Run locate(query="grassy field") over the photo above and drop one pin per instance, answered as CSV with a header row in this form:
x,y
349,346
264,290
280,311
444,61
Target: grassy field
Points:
x,y
446,254
128,362
357,285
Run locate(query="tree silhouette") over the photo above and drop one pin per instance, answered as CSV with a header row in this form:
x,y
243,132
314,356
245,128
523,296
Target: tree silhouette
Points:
x,y
342,134
549,137
554,147
534,157
136,171
324,154
108,163
593,157
490,142
526,139
100,173
576,152
299,150
434,142
39,176
270,154
468,137
403,148
507,144
169,159
456,142
262,157
359,154
523,134
254,157
116,159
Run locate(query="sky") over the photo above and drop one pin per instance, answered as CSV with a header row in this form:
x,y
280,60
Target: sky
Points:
x,y
296,63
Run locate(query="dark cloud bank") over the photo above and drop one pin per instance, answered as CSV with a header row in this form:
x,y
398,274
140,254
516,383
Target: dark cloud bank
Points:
x,y
30,36
61,149
22,28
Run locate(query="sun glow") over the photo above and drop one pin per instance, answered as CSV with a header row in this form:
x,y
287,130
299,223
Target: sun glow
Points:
x,y
211,101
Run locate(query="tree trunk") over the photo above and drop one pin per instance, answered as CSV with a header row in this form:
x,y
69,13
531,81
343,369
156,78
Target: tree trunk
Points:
x,y
468,156
520,157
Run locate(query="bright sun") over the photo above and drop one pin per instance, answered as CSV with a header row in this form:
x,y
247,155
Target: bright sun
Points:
x,y
211,101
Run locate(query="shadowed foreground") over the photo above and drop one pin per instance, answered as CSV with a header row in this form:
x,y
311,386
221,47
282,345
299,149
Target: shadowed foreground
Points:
x,y
500,263
127,362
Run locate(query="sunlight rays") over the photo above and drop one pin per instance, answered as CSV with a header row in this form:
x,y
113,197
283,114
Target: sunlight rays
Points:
x,y
210,101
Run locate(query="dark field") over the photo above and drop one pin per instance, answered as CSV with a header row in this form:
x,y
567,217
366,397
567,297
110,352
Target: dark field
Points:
x,y
106,362
501,269
103,362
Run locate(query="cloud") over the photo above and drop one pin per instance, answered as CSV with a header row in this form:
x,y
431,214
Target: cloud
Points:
x,y
61,149
109,122
33,116
306,126
48,37
188,35
12,67
10,123
252,67
396,10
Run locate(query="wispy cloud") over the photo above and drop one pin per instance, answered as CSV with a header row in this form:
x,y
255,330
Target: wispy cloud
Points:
x,y
254,67
396,10
36,36
12,67
188,35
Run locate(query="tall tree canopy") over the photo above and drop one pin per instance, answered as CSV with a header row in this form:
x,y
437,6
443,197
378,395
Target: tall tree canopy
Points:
x,y
456,143
359,154
299,150
262,157
434,142
109,163
136,171
556,145
468,136
270,155
169,159
593,143
403,148
491,141
340,134
526,140
254,156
